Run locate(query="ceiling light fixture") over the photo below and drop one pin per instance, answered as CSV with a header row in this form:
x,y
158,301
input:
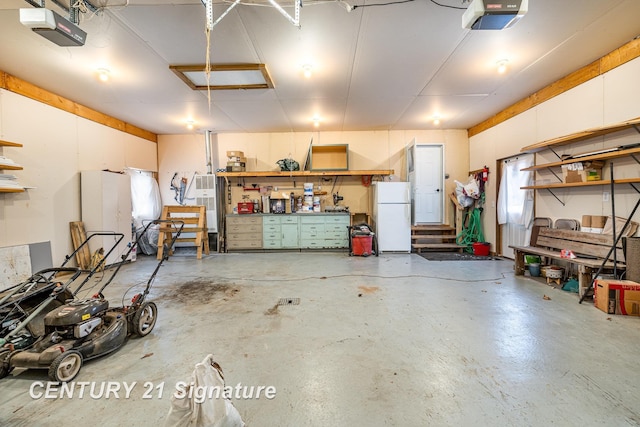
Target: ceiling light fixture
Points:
x,y
316,121
307,68
502,66
436,120
190,124
224,76
104,74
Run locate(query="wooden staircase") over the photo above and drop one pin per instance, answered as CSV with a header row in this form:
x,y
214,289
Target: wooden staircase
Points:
x,y
434,238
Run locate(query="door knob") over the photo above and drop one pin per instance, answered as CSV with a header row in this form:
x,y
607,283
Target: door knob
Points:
x,y
438,190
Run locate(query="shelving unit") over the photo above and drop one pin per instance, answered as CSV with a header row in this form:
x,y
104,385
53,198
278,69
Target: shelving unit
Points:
x,y
604,155
9,167
582,184
290,174
582,136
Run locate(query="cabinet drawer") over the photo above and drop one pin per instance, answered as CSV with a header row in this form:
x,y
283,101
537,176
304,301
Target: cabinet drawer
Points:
x,y
333,235
271,228
272,236
272,244
270,219
338,219
311,243
244,244
288,220
317,228
311,219
244,236
244,220
335,228
311,234
336,243
242,228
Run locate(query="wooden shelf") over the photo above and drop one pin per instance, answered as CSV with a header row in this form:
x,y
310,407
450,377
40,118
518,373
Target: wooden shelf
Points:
x,y
9,144
603,156
10,168
580,136
287,174
582,184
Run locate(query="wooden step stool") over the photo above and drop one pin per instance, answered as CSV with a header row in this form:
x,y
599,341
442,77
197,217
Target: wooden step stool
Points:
x,y
195,221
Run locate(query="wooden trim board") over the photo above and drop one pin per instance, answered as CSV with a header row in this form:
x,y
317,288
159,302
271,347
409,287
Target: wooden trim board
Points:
x,y
607,63
21,87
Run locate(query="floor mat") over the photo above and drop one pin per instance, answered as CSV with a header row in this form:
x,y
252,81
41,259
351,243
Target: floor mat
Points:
x,y
455,256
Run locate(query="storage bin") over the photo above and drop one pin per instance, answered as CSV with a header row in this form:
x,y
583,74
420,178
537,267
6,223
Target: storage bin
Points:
x,y
329,157
481,248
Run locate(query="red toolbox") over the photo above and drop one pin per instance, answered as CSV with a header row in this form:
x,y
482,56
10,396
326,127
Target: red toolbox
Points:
x,y
245,207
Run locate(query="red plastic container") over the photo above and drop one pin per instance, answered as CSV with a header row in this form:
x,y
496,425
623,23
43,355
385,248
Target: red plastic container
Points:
x,y
481,248
361,244
245,207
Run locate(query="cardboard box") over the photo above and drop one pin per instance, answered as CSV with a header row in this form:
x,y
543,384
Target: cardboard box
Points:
x,y
590,171
598,221
617,296
235,154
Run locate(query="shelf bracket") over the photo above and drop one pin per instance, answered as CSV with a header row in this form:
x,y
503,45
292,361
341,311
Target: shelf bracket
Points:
x,y
554,152
633,156
554,174
554,195
636,128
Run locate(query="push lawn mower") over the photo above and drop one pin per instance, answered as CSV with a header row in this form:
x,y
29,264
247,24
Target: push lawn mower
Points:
x,y
84,329
18,301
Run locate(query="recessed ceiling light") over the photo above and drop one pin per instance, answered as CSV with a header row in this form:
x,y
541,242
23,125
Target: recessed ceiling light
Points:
x,y
103,74
502,66
307,69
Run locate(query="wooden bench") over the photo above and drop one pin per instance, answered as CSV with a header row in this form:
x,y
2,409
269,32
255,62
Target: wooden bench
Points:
x,y
590,249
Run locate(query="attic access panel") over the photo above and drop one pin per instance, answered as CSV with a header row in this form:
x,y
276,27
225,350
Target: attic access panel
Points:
x,y
224,76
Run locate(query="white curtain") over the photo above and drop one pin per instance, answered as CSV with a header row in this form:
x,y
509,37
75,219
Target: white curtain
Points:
x,y
515,206
145,197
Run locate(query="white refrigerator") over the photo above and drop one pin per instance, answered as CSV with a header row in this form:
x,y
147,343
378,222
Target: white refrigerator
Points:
x,y
392,216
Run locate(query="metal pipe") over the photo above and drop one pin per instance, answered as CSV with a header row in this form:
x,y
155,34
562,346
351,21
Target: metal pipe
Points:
x,y
613,224
207,150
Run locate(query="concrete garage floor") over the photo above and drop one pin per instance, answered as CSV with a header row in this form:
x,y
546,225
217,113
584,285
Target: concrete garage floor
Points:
x,y
389,341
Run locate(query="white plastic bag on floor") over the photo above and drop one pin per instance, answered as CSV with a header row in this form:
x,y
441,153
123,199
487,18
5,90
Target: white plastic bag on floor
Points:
x,y
208,412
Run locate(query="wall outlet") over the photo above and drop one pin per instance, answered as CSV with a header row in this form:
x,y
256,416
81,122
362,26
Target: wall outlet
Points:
x,y
605,196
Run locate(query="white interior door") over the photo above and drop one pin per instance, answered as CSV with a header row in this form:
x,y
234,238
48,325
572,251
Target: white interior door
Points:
x,y
428,188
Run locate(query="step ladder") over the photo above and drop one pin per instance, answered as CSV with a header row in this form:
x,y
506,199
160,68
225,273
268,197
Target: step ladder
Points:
x,y
195,222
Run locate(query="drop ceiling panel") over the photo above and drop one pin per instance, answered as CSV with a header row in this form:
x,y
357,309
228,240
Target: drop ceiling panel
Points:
x,y
326,40
180,38
301,112
400,48
248,115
